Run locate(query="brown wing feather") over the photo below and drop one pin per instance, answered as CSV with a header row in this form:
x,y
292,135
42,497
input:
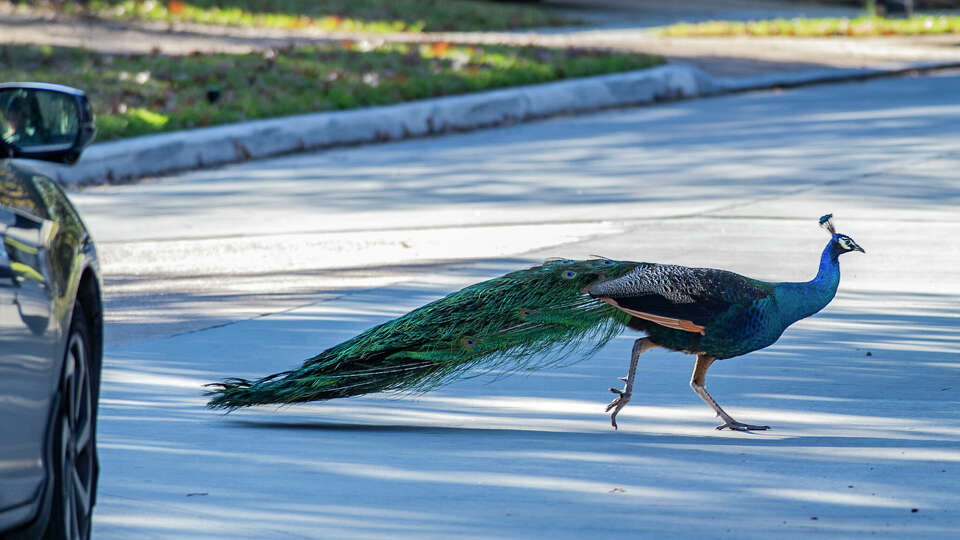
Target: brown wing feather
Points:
x,y
669,322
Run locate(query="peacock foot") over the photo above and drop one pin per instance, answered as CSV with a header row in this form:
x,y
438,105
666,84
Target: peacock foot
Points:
x,y
623,397
740,426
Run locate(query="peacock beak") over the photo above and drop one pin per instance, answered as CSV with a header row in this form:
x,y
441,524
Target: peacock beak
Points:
x,y
848,244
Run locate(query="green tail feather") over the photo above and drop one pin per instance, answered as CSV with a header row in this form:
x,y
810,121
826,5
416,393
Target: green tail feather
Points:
x,y
522,320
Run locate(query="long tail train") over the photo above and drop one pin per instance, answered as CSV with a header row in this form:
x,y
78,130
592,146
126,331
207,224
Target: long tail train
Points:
x,y
521,320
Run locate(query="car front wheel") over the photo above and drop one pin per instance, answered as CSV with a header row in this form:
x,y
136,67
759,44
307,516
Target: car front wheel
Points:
x,y
74,463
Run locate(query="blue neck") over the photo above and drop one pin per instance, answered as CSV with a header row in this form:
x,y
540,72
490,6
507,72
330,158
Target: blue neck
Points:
x,y
800,300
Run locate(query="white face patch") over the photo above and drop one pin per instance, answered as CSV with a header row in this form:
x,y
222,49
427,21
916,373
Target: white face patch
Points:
x,y
846,242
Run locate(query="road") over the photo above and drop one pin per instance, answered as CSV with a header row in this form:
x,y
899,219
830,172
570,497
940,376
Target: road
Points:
x,y
615,24
649,13
246,270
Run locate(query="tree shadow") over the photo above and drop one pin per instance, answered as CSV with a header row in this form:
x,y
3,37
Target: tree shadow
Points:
x,y
858,440
619,159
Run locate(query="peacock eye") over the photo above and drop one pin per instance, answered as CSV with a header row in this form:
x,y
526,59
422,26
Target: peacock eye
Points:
x,y
569,274
607,261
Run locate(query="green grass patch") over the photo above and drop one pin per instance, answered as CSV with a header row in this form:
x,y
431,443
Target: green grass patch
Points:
x,y
802,27
142,94
332,15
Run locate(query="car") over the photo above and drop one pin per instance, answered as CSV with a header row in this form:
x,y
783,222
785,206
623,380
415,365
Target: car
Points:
x,y
51,321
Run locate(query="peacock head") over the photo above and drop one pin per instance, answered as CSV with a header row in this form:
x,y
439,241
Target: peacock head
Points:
x,y
843,243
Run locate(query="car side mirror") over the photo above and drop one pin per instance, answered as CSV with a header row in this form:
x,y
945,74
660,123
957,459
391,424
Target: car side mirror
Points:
x,y
44,121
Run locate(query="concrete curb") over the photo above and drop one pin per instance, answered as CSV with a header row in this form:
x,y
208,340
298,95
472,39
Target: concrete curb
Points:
x,y
166,153
153,155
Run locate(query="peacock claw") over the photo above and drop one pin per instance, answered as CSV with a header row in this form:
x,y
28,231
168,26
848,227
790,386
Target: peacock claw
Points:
x,y
617,404
740,426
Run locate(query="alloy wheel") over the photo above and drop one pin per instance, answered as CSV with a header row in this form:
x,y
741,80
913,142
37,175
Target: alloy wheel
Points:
x,y
76,449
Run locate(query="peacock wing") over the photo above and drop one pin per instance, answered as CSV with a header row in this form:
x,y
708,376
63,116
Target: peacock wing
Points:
x,y
679,297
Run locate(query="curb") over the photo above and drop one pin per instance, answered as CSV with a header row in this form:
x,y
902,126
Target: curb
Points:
x,y
153,155
129,159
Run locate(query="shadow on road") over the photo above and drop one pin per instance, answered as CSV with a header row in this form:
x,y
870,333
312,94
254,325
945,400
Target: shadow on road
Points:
x,y
858,440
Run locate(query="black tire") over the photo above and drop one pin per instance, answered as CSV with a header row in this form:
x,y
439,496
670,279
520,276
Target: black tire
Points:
x,y
74,464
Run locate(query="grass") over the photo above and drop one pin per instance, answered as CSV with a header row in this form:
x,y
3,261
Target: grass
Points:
x,y
866,26
377,16
143,94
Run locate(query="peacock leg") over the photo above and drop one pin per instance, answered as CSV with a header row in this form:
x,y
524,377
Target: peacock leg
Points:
x,y
698,383
623,396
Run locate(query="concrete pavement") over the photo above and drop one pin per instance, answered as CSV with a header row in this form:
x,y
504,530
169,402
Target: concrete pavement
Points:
x,y
228,238
862,397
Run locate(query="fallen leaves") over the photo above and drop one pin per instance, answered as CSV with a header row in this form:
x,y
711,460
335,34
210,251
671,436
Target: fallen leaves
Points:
x,y
176,7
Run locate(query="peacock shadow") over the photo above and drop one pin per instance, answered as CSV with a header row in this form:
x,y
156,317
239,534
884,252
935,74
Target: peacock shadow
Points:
x,y
886,447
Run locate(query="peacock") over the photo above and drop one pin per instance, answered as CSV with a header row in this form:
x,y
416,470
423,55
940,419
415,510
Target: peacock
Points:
x,y
535,317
